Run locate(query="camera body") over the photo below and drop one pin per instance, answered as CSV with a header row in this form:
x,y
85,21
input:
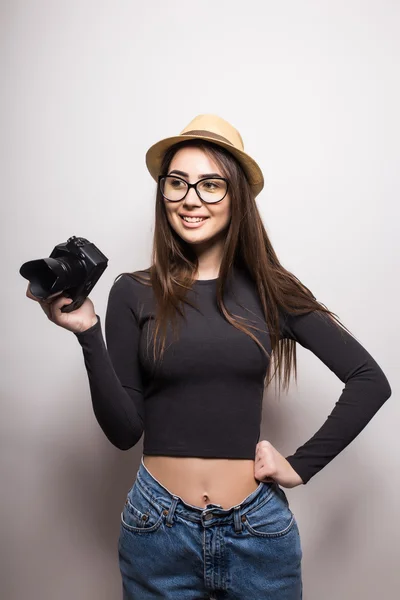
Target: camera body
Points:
x,y
72,269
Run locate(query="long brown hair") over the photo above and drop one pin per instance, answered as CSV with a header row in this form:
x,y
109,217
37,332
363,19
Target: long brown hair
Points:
x,y
247,246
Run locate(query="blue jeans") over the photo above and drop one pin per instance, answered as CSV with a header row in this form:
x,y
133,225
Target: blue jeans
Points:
x,y
170,549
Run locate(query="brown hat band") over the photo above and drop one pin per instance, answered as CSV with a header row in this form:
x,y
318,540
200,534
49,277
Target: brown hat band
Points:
x,y
208,134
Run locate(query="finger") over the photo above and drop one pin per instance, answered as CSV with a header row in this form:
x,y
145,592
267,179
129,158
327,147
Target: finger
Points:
x,y
60,302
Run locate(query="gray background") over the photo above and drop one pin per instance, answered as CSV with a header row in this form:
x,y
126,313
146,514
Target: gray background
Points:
x,y
87,87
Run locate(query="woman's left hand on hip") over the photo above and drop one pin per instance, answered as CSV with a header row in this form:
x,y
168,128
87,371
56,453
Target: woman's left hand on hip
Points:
x,y
270,465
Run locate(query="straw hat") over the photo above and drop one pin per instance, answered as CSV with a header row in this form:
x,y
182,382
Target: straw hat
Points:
x,y
213,129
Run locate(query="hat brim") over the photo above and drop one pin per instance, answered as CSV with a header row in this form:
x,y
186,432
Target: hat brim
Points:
x,y
155,154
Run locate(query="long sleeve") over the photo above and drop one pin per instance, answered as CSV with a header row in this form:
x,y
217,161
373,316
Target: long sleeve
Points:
x,y
113,372
366,388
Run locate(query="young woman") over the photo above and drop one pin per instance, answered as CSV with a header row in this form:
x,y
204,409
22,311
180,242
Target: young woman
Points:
x,y
190,346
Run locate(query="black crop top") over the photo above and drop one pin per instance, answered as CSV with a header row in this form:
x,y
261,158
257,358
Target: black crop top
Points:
x,y
205,398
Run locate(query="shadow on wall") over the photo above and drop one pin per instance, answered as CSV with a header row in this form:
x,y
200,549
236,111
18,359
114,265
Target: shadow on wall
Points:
x,y
97,482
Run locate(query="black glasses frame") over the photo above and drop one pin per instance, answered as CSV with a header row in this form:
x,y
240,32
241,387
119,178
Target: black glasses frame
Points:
x,y
193,185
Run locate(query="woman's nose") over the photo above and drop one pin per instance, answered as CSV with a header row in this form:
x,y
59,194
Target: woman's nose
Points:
x,y
192,197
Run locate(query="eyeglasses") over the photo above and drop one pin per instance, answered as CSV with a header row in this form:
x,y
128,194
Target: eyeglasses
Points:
x,y
209,190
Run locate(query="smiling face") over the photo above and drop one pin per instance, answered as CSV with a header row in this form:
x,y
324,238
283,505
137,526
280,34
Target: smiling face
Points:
x,y
196,165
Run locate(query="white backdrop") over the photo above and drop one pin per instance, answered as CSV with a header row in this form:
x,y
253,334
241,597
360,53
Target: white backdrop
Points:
x,y
87,87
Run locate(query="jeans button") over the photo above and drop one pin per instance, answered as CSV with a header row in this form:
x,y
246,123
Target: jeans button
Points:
x,y
208,516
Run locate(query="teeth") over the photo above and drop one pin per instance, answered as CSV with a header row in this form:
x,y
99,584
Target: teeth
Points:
x,y
192,219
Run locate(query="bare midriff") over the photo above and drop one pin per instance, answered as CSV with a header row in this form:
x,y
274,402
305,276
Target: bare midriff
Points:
x,y
202,481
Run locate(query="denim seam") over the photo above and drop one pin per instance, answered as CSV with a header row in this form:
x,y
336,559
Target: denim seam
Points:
x,y
270,535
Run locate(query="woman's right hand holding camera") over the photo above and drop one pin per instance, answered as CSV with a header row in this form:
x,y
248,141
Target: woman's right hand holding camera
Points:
x,y
76,321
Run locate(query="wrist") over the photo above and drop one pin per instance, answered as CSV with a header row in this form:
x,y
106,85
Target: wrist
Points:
x,y
294,476
91,324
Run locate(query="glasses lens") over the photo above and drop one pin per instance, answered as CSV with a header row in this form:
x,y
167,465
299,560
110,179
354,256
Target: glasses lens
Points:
x,y
172,188
210,190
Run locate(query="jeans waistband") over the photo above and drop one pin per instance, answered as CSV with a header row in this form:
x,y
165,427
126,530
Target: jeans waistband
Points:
x,y
212,514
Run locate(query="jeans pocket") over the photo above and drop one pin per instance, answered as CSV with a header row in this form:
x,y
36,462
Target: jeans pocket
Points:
x,y
272,517
140,514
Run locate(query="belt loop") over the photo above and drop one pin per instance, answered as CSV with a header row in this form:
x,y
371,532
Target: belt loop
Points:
x,y
236,519
170,512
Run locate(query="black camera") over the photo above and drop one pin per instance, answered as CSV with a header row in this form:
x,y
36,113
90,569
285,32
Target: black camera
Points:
x,y
73,269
